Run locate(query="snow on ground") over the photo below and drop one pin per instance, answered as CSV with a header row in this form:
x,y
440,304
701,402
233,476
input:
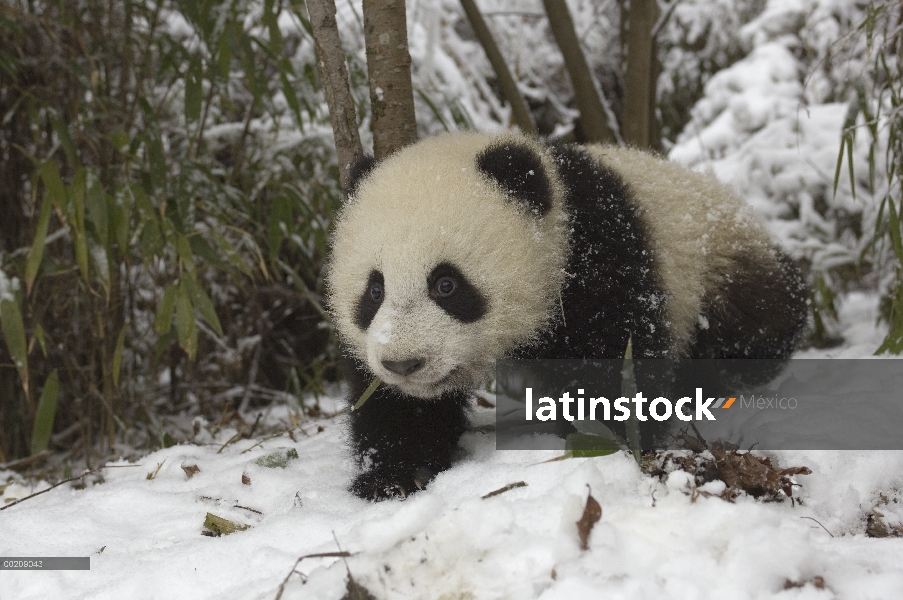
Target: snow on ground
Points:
x,y
654,539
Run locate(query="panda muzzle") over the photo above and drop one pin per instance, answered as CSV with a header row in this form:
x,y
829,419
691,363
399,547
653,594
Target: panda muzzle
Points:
x,y
404,367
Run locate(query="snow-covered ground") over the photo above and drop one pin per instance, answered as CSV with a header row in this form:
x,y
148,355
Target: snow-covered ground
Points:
x,y
656,539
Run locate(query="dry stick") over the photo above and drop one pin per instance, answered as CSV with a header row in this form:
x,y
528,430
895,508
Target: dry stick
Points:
x,y
593,116
331,60
822,526
519,109
85,474
23,462
297,562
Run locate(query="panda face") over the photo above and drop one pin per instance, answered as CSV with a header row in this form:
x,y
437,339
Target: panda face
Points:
x,y
438,270
418,339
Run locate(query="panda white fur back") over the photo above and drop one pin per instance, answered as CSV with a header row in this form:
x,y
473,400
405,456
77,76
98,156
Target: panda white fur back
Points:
x,y
466,248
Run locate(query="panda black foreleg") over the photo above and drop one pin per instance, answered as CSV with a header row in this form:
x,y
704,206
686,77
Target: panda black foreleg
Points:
x,y
401,441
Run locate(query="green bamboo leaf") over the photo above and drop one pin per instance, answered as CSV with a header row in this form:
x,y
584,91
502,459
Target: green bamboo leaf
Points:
x,y
143,202
224,53
62,132
41,338
101,260
117,355
36,254
56,191
164,310
201,301
582,445
194,89
232,256
185,325
14,334
45,414
839,166
150,243
279,223
290,97
120,140
183,247
121,228
98,211
202,248
894,230
157,160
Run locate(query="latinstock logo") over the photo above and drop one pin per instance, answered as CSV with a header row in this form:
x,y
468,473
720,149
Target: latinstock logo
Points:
x,y
659,409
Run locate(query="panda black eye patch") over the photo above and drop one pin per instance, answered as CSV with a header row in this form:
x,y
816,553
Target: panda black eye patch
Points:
x,y
455,294
370,300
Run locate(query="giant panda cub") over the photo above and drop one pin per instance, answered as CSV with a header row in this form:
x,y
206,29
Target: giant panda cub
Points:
x,y
466,248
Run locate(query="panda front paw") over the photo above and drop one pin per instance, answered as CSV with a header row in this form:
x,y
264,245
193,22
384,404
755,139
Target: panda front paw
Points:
x,y
380,485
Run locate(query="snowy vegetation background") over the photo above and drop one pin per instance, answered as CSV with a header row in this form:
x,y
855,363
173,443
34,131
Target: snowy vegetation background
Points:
x,y
177,316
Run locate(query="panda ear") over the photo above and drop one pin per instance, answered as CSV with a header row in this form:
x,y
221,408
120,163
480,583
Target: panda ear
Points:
x,y
363,164
518,170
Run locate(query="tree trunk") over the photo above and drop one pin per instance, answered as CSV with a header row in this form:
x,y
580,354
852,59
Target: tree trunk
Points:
x,y
593,116
639,79
334,73
519,110
389,69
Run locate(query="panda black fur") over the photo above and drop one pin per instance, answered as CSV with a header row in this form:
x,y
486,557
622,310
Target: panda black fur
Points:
x,y
466,248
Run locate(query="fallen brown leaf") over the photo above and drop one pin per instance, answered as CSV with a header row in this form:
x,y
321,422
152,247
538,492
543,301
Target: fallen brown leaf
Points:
x,y
592,512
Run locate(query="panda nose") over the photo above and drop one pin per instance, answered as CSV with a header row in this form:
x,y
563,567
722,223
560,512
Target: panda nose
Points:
x,y
403,367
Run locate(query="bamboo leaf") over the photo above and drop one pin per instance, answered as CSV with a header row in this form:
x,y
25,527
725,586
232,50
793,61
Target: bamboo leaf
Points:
x,y
36,254
117,355
45,414
56,191
581,445
14,334
194,89
120,139
40,337
185,325
202,302
202,248
232,256
894,229
98,211
78,226
62,132
164,310
279,223
183,247
121,228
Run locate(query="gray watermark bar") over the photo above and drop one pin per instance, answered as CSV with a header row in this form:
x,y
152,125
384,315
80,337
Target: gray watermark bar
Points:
x,y
45,563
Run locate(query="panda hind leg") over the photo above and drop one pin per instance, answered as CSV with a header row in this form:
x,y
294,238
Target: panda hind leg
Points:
x,y
760,312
